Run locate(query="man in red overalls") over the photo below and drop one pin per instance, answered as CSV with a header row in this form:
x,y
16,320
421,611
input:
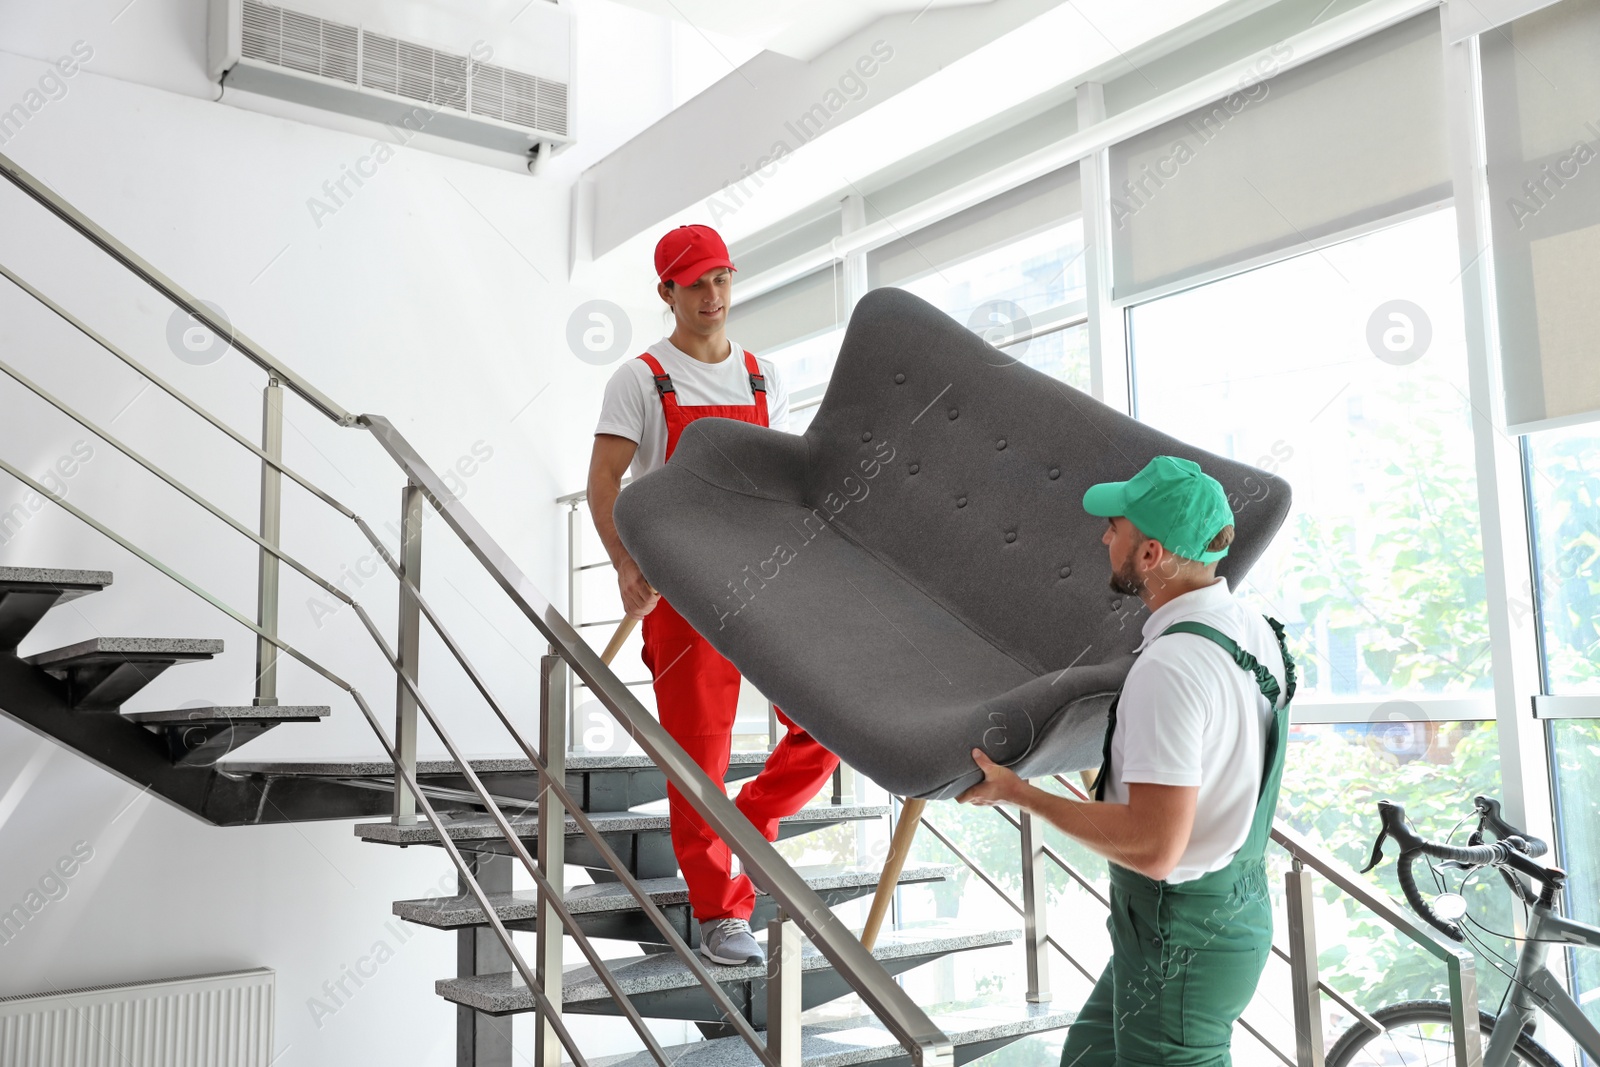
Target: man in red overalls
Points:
x,y
693,374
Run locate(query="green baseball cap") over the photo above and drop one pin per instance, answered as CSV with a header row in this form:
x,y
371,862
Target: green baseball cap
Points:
x,y
1173,501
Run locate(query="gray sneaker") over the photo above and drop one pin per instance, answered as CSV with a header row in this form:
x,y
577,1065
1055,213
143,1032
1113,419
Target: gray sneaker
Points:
x,y
730,941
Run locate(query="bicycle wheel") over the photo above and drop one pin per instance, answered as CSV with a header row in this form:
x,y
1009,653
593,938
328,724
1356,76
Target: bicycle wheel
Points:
x,y
1417,1034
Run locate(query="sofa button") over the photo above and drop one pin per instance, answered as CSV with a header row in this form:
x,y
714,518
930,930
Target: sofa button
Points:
x,y
867,436
915,467
1065,572
1055,472
1000,443
899,379
1011,535
953,413
1115,603
961,501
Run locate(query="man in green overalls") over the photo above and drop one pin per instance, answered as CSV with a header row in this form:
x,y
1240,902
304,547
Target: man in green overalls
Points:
x,y
1187,788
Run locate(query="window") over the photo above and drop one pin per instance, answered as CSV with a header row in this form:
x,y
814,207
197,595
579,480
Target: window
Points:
x,y
1018,287
1334,776
1344,370
1035,283
1574,749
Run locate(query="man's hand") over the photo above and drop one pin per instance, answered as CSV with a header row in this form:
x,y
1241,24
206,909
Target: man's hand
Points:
x,y
638,599
999,785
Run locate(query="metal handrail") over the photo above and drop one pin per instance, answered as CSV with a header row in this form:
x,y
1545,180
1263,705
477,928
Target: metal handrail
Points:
x,y
485,799
1460,964
166,387
462,868
904,1018
52,202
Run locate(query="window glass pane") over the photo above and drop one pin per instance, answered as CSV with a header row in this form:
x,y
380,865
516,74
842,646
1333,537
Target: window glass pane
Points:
x,y
999,293
807,363
994,294
1574,751
1344,371
1564,486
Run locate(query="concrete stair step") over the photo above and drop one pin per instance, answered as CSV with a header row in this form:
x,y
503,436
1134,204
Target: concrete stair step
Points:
x,y
641,839
608,910
976,1028
198,737
28,593
661,986
103,672
598,783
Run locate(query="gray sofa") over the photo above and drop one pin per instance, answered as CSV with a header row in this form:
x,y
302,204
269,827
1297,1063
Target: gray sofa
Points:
x,y
914,576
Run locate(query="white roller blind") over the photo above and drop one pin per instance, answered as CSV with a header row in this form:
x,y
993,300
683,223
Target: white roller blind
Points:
x,y
803,308
1339,142
1541,91
1046,201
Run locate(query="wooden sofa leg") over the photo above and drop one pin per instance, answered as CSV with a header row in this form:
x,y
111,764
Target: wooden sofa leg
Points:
x,y
904,832
624,628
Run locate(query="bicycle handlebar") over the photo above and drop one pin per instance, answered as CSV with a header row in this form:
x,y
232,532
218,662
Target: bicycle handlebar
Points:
x,y
1489,817
1514,849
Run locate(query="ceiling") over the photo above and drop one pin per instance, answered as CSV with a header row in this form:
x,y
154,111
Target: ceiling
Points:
x,y
798,28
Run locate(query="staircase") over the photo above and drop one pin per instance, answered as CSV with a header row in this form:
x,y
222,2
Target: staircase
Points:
x,y
571,811
83,686
89,681
659,984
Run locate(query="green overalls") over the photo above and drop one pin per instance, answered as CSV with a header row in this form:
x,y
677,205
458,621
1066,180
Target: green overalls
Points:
x,y
1186,958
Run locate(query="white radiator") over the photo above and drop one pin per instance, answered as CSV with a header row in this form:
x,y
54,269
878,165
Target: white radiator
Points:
x,y
209,1020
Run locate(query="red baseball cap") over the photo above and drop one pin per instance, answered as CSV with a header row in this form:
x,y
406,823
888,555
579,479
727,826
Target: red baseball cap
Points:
x,y
688,252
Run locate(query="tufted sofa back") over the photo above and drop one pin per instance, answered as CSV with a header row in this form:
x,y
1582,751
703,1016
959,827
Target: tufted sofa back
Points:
x,y
964,470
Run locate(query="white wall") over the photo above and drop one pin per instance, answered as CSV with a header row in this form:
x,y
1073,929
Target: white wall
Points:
x,y
436,296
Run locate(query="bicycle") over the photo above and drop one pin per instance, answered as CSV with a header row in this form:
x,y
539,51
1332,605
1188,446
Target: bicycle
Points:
x,y
1418,1031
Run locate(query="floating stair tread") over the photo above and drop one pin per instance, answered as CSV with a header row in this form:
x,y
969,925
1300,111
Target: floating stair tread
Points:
x,y
51,576
521,905
662,971
244,713
474,827
126,649
863,1039
365,768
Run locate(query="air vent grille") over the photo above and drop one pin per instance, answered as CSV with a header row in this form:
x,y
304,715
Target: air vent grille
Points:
x,y
387,64
299,42
522,99
413,71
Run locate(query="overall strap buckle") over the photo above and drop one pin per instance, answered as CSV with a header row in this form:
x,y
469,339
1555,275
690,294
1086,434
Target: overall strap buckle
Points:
x,y
758,384
663,384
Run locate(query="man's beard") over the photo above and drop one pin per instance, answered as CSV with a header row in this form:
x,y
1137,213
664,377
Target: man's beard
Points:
x,y
1125,579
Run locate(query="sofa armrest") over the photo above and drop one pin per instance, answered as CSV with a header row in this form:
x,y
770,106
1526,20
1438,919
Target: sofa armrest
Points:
x,y
742,457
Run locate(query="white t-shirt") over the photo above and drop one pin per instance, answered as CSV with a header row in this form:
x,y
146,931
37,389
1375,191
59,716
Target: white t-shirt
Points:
x,y
632,407
1190,715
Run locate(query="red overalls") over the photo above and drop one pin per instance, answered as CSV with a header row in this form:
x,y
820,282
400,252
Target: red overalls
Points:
x,y
697,693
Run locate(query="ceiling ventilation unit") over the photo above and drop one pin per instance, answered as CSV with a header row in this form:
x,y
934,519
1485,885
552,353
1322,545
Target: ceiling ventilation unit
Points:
x,y
493,79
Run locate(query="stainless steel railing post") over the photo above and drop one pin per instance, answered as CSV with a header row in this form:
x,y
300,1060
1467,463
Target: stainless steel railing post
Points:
x,y
408,648
574,608
1464,1031
1036,932
783,990
266,694
548,956
1303,966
